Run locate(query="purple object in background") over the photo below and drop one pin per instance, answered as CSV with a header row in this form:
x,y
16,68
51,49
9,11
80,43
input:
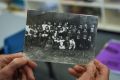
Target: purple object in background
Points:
x,y
110,55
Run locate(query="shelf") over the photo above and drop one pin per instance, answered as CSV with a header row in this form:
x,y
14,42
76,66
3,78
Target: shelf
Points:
x,y
109,27
35,0
112,17
109,21
112,6
42,1
92,4
81,3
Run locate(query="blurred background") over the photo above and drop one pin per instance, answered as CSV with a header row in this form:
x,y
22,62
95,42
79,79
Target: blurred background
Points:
x,y
13,15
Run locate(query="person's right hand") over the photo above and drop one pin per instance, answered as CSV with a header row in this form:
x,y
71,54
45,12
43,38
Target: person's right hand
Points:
x,y
16,67
95,70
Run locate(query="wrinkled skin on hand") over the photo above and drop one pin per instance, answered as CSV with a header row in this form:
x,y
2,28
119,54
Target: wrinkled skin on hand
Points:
x,y
95,70
16,67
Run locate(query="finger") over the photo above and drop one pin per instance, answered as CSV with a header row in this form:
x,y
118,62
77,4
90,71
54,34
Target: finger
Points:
x,y
23,77
29,72
79,68
103,70
99,64
8,58
73,72
90,72
17,75
15,55
97,75
101,67
88,75
32,64
91,69
14,65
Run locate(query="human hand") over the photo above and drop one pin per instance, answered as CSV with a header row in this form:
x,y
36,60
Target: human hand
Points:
x,y
93,71
12,64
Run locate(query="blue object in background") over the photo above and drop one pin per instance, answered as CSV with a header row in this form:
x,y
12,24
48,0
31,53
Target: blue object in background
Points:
x,y
14,43
19,3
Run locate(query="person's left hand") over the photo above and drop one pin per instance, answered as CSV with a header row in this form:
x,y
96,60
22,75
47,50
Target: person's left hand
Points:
x,y
95,70
16,66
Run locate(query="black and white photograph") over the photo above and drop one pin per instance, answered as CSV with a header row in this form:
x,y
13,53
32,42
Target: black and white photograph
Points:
x,y
60,37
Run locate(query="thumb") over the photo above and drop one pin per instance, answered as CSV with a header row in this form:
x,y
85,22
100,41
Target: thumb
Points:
x,y
102,68
14,65
90,72
91,68
8,58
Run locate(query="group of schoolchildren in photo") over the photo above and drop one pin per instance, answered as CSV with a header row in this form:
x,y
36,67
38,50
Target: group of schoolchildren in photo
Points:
x,y
60,36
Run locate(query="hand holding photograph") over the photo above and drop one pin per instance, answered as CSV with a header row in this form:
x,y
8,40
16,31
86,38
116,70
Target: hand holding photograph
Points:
x,y
60,37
